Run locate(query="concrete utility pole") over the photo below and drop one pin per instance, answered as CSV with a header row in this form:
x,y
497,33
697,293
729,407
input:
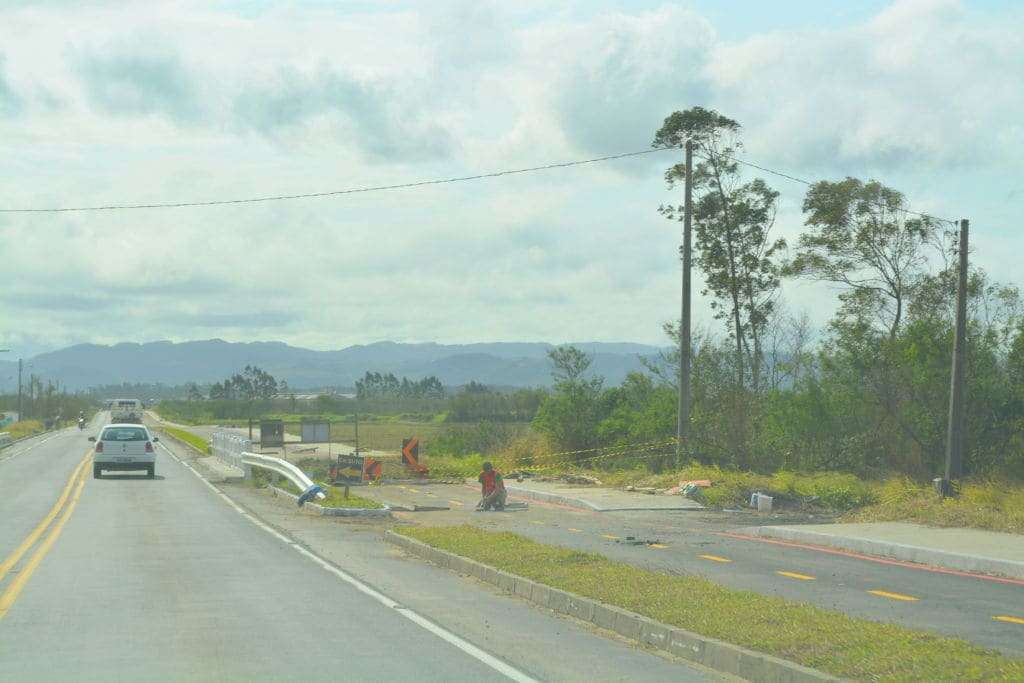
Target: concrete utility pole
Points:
x,y
683,419
20,414
955,428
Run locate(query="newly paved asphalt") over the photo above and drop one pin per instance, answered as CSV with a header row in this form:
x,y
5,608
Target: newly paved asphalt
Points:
x,y
164,580
692,542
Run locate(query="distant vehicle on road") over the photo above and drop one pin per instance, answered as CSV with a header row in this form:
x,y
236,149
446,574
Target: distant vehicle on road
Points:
x,y
124,447
126,410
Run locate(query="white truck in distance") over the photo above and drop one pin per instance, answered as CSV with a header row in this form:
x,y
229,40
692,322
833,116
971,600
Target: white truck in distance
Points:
x,y
126,410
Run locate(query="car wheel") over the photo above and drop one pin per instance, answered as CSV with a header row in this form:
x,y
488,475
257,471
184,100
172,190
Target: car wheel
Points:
x,y
95,471
151,472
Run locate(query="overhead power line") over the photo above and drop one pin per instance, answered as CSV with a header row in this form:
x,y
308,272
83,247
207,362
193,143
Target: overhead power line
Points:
x,y
414,184
333,193
810,182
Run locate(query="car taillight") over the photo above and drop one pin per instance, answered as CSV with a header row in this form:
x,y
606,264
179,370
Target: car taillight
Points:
x,y
99,446
149,447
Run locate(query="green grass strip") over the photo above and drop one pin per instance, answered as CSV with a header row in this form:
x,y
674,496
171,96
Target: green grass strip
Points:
x,y
822,639
194,440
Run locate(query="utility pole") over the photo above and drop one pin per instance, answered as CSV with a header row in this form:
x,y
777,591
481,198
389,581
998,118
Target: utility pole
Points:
x,y
21,416
955,428
683,418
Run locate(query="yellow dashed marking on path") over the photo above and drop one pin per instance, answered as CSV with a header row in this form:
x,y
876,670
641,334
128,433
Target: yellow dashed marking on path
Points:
x,y
894,596
659,546
575,531
610,537
1008,619
534,521
794,575
413,490
455,502
402,486
715,558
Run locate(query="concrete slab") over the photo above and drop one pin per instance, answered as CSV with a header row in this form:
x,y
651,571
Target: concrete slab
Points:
x,y
972,550
597,498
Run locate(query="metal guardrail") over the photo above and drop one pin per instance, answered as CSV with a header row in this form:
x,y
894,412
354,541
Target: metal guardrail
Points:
x,y
289,472
229,447
5,439
235,450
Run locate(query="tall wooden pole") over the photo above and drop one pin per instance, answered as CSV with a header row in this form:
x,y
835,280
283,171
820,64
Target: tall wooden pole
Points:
x,y
683,419
955,427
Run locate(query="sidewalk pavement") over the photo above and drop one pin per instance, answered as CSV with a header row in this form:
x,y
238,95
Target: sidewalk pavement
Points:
x,y
969,550
597,498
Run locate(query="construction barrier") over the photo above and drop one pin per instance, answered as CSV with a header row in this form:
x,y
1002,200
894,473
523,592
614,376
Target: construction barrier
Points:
x,y
411,456
373,470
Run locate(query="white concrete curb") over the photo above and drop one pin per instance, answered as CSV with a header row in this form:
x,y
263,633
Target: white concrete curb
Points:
x,y
897,551
714,654
583,504
335,512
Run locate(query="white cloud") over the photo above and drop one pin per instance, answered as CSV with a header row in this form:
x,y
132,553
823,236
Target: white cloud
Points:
x,y
163,102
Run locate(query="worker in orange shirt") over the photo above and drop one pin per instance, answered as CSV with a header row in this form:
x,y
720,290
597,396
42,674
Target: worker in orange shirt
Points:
x,y
492,489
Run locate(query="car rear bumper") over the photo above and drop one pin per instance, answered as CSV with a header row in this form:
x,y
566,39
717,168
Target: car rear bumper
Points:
x,y
123,462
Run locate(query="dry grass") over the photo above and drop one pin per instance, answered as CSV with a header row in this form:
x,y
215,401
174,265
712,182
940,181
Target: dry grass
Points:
x,y
992,505
20,430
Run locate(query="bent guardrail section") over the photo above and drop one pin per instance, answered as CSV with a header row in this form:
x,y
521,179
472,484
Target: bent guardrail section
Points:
x,y
289,472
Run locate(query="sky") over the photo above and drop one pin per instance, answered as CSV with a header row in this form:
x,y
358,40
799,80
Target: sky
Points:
x,y
110,103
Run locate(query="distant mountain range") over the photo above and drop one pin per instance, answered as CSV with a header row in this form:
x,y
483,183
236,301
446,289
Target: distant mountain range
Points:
x,y
518,364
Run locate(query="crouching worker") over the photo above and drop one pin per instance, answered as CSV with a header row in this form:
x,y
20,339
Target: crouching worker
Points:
x,y
492,489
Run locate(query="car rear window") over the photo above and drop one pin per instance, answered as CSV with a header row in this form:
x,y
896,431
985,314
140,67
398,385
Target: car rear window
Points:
x,y
125,434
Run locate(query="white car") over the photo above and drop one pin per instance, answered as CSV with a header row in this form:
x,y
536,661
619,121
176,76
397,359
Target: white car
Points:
x,y
124,447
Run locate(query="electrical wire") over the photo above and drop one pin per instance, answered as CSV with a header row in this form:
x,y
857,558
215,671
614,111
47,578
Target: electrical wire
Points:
x,y
333,193
804,181
423,183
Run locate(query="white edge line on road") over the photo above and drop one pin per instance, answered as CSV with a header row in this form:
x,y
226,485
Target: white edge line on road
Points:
x,y
12,456
421,621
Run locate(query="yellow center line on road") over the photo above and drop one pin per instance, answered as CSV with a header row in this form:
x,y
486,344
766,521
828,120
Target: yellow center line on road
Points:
x,y
610,537
534,521
413,490
794,575
659,546
455,502
31,539
715,558
575,531
1008,619
894,596
18,584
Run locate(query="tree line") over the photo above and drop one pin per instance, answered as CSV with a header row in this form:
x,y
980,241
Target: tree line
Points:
x,y
377,385
251,384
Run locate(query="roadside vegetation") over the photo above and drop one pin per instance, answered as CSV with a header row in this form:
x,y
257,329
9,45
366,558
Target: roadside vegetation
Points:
x,y
194,440
822,639
993,505
23,428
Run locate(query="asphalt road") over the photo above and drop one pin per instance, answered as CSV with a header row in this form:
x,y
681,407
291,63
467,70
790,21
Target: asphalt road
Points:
x,y
165,579
693,542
